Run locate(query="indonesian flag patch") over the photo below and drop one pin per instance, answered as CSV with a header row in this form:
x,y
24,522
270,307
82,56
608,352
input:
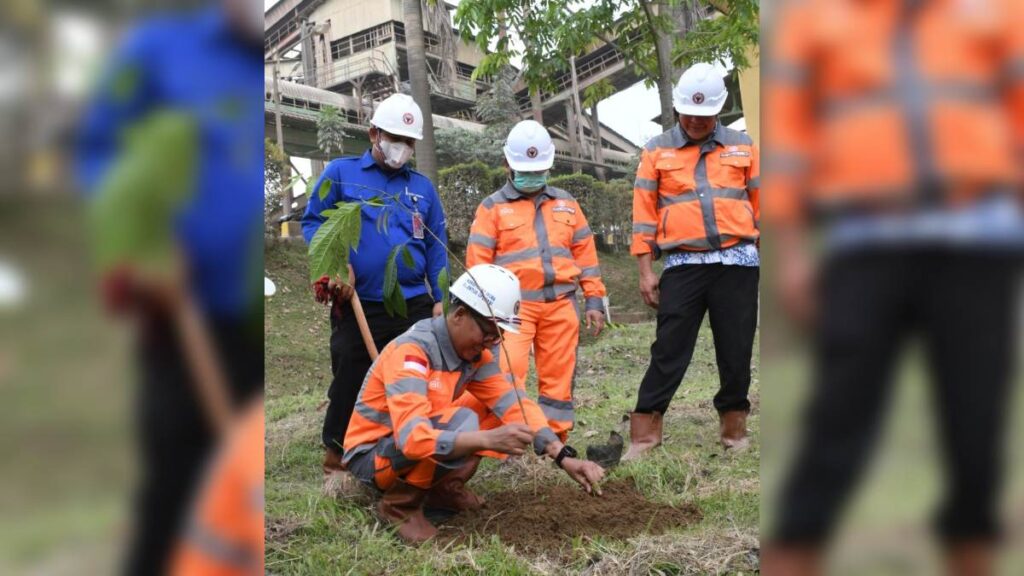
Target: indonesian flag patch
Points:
x,y
416,363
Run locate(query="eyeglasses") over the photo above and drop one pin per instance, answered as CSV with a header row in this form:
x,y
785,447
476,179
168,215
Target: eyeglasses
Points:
x,y
490,330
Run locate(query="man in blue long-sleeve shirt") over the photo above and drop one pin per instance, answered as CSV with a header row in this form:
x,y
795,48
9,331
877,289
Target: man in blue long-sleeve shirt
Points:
x,y
416,219
205,65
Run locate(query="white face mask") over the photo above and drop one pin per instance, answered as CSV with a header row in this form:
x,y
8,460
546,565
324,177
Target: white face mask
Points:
x,y
396,154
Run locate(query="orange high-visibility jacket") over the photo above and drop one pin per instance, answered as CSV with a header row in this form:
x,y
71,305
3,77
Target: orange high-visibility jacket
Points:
x,y
690,196
545,240
416,377
872,104
225,534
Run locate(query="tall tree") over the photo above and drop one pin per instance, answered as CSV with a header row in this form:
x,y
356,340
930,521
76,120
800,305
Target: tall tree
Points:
x,y
651,34
416,56
330,132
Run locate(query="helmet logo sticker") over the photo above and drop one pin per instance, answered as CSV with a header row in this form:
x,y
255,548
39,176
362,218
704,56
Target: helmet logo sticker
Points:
x,y
698,98
531,152
515,310
407,118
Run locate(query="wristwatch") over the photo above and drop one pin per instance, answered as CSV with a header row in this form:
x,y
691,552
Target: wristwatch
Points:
x,y
566,452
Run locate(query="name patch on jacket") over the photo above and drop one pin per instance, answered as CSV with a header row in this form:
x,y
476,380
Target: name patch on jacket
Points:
x,y
733,152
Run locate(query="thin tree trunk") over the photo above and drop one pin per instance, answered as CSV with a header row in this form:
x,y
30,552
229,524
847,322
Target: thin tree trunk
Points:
x,y
426,149
663,49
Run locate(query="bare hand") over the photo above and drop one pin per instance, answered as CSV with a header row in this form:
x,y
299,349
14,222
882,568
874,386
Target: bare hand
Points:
x,y
342,292
649,289
595,318
587,473
438,309
510,439
797,290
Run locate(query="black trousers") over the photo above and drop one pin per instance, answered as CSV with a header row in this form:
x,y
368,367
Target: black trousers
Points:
x,y
350,361
729,295
175,439
960,306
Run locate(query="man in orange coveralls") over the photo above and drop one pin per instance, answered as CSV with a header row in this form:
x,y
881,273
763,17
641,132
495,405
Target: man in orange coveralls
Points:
x,y
436,400
540,233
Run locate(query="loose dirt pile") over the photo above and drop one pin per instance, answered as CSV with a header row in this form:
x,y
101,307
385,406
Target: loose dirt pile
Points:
x,y
547,521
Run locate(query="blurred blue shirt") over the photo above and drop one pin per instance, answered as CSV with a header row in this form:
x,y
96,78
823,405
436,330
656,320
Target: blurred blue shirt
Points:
x,y
356,179
196,63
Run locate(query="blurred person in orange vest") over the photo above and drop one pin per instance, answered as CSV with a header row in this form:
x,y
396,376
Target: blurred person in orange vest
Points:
x,y
224,536
899,126
437,399
696,200
540,233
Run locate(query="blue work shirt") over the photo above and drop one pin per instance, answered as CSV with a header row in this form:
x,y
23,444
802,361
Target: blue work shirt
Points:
x,y
195,63
355,179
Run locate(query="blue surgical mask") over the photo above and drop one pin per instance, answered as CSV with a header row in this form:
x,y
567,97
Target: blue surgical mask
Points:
x,y
530,182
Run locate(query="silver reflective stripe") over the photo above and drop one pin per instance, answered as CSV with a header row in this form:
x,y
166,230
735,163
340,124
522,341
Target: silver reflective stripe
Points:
x,y
445,443
1016,69
406,385
540,228
560,410
488,370
788,73
481,240
646,184
707,204
382,418
425,340
507,400
754,183
689,196
924,93
353,452
403,434
220,549
645,228
517,256
544,296
544,437
561,253
582,234
695,243
730,193
591,272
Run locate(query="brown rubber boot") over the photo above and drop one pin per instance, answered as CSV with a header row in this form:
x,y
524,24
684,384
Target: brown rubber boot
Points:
x,y
644,434
402,506
338,482
970,559
791,561
732,429
451,492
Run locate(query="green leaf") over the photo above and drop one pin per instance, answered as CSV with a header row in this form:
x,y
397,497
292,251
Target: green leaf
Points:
x,y
443,283
407,257
132,215
328,252
394,301
325,189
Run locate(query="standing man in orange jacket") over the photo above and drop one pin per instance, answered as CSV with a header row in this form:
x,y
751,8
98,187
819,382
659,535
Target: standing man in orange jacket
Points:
x,y
896,132
540,233
436,400
696,201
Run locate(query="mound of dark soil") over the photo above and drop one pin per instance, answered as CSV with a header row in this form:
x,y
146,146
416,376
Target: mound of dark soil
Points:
x,y
549,520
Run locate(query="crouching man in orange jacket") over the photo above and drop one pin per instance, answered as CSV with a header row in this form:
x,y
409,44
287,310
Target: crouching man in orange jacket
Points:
x,y
436,400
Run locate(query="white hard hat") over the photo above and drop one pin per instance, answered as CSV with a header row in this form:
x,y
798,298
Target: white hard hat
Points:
x,y
491,291
700,91
528,147
399,114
